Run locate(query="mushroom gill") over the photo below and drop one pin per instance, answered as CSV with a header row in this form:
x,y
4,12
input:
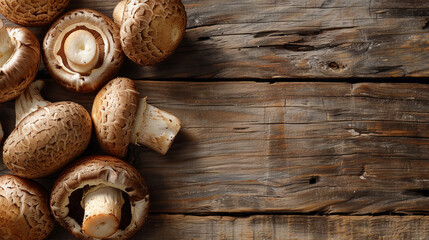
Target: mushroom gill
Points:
x,y
19,60
82,50
6,46
113,197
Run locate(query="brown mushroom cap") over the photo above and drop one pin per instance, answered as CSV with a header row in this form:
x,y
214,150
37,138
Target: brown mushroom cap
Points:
x,y
47,139
32,13
113,113
22,66
106,171
24,210
110,56
152,29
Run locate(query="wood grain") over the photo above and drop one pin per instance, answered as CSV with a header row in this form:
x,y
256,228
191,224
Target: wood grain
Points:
x,y
251,155
284,147
279,227
292,39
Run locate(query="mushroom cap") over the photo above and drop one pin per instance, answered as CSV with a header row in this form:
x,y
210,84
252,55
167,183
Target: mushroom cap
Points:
x,y
113,113
152,29
110,52
47,139
96,171
32,13
24,210
21,69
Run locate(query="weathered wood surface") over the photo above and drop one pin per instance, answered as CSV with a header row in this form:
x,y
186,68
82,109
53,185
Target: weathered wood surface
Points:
x,y
279,227
256,149
293,38
285,147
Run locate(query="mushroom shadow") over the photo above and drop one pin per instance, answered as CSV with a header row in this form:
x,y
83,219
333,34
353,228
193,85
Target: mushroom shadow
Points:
x,y
160,171
7,121
192,59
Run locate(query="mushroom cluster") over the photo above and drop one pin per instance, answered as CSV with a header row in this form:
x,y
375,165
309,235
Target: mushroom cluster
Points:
x,y
97,196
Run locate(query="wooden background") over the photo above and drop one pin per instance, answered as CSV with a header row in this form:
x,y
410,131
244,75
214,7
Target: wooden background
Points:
x,y
295,131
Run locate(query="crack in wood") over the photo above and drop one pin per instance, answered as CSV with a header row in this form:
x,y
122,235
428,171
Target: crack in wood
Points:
x,y
417,192
426,26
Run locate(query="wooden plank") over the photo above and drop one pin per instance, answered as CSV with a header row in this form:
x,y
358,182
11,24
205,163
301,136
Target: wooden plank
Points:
x,y
285,147
292,38
279,227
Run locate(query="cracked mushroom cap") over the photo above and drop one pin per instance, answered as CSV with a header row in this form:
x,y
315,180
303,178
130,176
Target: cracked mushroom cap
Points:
x,y
113,113
20,69
32,13
82,50
150,29
100,171
24,210
47,139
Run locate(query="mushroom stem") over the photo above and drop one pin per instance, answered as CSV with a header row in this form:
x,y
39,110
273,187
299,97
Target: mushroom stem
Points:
x,y
29,101
118,12
102,211
81,50
154,128
6,46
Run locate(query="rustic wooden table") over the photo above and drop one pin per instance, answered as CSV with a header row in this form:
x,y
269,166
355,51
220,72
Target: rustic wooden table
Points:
x,y
317,148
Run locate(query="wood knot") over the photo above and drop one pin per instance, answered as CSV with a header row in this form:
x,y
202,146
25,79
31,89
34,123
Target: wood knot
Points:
x,y
335,66
314,180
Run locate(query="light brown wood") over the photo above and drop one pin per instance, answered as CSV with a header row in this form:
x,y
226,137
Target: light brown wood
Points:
x,y
292,38
284,147
279,227
255,149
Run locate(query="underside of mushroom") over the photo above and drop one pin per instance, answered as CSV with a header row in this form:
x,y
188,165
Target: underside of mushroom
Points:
x,y
83,50
19,60
100,197
6,46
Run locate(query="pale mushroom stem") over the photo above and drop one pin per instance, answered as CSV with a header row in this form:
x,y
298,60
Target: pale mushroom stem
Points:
x,y
118,12
154,128
81,51
29,101
102,211
6,46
